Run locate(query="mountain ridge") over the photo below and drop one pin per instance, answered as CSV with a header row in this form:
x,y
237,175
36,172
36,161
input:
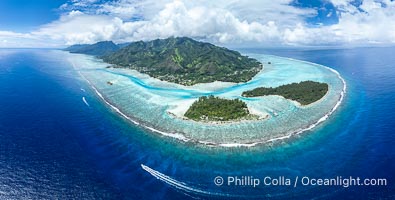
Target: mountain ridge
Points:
x,y
180,60
97,49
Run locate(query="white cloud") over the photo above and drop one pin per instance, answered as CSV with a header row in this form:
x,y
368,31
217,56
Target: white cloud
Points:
x,y
175,19
77,27
344,6
258,22
217,22
126,12
13,39
369,23
373,23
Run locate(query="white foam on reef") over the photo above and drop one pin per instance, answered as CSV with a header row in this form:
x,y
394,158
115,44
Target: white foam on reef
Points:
x,y
173,135
289,135
238,144
105,101
177,108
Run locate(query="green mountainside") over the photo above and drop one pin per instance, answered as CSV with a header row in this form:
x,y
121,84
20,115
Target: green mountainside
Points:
x,y
122,45
75,47
185,61
97,49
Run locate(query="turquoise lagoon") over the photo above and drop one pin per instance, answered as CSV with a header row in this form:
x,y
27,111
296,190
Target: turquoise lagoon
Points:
x,y
56,145
159,106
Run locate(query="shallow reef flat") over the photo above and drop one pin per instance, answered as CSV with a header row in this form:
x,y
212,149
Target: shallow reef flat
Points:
x,y
159,106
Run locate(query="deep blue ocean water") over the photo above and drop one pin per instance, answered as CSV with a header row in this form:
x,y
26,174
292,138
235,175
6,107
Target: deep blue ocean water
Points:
x,y
54,146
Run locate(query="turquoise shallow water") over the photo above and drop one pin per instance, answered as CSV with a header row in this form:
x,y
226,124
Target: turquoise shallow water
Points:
x,y
55,145
149,101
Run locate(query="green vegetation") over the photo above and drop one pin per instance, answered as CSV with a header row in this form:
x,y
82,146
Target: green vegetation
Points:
x,y
75,47
305,92
97,49
185,61
216,109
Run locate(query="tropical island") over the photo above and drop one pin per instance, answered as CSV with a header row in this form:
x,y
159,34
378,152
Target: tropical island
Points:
x,y
185,61
305,92
202,108
218,109
188,62
179,60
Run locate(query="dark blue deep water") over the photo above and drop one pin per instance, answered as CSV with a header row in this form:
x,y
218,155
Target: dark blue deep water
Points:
x,y
54,146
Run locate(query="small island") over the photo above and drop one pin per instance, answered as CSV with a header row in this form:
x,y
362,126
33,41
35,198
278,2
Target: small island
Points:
x,y
217,109
305,92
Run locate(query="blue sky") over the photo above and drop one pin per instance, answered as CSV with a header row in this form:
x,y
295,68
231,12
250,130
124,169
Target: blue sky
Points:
x,y
55,23
25,15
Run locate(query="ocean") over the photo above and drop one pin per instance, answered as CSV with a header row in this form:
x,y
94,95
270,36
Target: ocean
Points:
x,y
59,140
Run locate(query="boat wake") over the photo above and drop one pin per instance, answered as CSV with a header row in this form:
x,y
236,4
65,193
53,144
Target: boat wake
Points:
x,y
183,186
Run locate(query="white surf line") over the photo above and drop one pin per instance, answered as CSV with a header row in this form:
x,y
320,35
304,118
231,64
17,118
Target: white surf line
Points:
x,y
105,101
231,145
181,185
173,135
116,109
289,135
84,100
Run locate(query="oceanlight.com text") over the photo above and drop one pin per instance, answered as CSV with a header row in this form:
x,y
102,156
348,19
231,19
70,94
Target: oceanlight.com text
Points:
x,y
298,181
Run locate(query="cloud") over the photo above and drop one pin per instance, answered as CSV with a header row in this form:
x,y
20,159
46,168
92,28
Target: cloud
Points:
x,y
258,22
372,23
77,27
217,22
13,39
369,23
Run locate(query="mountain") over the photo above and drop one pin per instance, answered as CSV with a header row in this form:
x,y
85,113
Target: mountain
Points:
x,y
97,49
185,61
75,47
122,45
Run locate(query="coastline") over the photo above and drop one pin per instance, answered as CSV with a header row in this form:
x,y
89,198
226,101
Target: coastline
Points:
x,y
179,111
213,86
289,135
182,137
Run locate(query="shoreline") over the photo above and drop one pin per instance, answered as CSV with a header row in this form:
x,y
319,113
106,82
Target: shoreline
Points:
x,y
253,112
213,86
182,137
